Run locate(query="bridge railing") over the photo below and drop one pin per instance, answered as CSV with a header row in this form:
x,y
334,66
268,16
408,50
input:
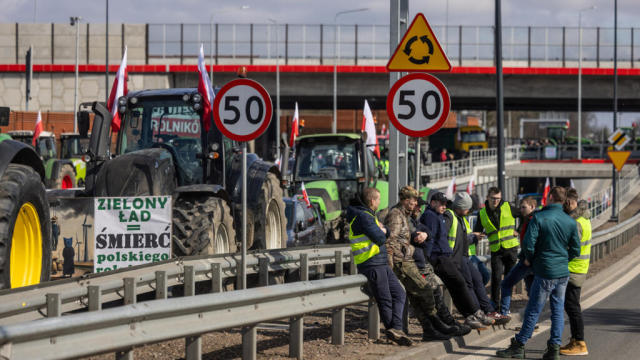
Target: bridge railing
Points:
x,y
369,44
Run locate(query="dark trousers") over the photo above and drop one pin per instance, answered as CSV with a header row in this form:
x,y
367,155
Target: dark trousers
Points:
x,y
388,292
475,286
501,263
447,271
574,311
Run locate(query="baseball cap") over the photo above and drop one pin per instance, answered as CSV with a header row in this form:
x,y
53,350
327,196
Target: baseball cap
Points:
x,y
439,197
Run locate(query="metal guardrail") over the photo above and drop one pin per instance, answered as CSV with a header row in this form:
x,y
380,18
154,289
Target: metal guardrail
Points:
x,y
93,290
567,152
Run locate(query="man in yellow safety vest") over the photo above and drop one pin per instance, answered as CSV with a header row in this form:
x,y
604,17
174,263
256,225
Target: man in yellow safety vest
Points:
x,y
367,238
497,220
578,268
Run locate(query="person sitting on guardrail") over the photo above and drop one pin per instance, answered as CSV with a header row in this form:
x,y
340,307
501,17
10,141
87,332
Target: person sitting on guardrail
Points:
x,y
426,269
367,238
520,271
578,269
497,220
401,260
460,237
551,241
439,254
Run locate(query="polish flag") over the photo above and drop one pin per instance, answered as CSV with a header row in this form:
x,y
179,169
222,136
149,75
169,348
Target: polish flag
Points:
x,y
305,196
383,132
37,130
206,90
471,184
451,189
369,127
295,130
118,89
545,193
571,184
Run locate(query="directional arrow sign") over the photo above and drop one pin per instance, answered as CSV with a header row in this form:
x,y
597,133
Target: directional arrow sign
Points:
x,y
618,158
619,139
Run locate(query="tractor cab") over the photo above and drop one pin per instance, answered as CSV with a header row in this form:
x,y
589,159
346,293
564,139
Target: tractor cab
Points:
x,y
72,145
45,144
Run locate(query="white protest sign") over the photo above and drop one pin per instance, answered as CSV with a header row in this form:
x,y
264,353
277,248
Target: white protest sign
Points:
x,y
131,231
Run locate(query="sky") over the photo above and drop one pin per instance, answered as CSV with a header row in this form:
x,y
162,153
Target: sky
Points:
x,y
460,12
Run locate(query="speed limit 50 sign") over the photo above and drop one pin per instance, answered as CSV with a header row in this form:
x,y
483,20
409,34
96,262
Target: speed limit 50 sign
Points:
x,y
242,110
418,104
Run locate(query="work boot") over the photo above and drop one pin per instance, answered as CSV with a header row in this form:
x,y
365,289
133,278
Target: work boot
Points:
x,y
575,347
473,322
398,337
486,320
552,353
461,330
429,333
441,326
499,318
515,350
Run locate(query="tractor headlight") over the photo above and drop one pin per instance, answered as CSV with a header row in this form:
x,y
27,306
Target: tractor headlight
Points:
x,y
122,101
133,100
185,97
214,146
196,98
197,106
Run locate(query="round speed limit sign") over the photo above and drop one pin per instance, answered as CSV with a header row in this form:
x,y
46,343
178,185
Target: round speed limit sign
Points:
x,y
418,104
242,110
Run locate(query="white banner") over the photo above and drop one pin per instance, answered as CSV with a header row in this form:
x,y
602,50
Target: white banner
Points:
x,y
131,231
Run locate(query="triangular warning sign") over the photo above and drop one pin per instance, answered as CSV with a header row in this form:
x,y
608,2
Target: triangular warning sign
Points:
x,y
618,158
419,50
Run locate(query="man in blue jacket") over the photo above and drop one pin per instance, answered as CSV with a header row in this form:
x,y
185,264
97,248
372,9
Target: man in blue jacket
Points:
x,y
550,242
367,237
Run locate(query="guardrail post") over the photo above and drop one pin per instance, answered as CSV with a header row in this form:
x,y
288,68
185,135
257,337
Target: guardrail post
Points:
x,y
337,317
304,267
129,290
249,343
296,323
124,355
216,278
353,270
189,280
192,344
161,284
53,305
239,271
373,320
263,264
95,297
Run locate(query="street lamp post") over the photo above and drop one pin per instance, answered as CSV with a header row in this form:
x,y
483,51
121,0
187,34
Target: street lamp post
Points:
x,y
580,79
75,21
336,58
275,22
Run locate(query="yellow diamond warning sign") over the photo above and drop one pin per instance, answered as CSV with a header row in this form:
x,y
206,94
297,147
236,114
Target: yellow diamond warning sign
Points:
x,y
419,50
618,158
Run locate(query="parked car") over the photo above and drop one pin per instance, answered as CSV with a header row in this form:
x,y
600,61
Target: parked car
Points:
x,y
304,225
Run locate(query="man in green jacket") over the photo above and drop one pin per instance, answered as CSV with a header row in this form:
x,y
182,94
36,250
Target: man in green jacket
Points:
x,y
550,242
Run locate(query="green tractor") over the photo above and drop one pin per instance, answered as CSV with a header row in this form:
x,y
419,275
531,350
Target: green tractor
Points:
x,y
25,224
73,147
59,173
335,168
163,149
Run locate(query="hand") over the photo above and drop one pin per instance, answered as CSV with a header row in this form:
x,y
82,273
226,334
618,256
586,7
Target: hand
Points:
x,y
477,234
516,234
384,229
526,262
420,237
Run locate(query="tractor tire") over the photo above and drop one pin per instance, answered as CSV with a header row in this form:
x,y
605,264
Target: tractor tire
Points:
x,y
25,228
202,226
65,178
267,223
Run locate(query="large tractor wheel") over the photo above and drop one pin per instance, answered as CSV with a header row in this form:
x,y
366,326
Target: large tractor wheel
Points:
x,y
65,178
202,226
25,228
267,223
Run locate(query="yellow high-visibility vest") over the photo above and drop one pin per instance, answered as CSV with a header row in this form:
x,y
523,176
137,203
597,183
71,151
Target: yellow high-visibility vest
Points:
x,y
580,265
362,248
502,236
453,231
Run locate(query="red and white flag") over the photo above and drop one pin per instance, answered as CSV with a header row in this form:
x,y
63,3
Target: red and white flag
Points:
x,y
118,89
471,184
571,184
451,189
206,90
369,127
545,193
38,129
305,196
295,127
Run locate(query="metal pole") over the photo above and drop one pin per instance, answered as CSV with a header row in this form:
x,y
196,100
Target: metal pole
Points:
x,y
211,48
106,66
499,95
334,123
614,198
277,96
243,268
418,164
580,85
75,21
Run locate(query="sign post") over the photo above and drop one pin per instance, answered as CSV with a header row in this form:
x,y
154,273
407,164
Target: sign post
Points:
x,y
242,111
619,139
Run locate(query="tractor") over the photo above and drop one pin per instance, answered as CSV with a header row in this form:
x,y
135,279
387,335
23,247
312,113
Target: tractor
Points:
x,y
60,173
335,169
163,149
72,148
25,225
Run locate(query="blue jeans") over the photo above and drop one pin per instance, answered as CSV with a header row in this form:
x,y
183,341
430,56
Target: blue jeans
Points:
x,y
481,268
517,273
541,289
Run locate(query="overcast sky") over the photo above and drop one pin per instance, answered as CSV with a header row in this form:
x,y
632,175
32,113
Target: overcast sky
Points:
x,y
461,12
